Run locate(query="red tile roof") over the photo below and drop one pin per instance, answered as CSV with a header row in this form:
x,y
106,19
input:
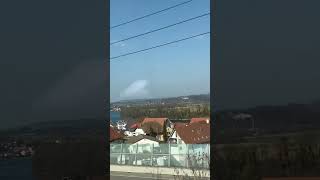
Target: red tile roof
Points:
x,y
197,120
179,124
115,135
195,133
135,126
160,121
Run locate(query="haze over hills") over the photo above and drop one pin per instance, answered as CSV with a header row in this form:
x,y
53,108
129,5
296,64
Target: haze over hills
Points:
x,y
190,99
81,124
61,128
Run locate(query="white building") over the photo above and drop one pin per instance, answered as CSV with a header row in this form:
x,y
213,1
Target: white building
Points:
x,y
121,125
142,145
137,132
196,135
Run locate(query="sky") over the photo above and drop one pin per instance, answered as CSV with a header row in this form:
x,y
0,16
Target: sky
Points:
x,y
52,66
51,61
174,70
267,53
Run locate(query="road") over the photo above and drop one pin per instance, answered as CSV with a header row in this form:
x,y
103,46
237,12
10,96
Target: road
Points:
x,y
141,176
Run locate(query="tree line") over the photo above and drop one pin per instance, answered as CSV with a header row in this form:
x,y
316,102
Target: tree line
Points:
x,y
187,112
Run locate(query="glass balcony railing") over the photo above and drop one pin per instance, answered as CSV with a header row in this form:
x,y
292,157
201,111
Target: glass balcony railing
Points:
x,y
161,155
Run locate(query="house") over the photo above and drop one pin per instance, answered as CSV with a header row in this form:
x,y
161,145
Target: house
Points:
x,y
161,128
174,121
137,132
142,139
177,124
128,133
135,126
115,136
193,133
190,138
200,120
121,125
142,145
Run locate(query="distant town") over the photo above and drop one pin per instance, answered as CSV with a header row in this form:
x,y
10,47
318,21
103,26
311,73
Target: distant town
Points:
x,y
171,101
161,132
15,149
168,120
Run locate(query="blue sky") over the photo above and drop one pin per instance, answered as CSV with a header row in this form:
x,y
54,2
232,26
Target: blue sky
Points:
x,y
174,70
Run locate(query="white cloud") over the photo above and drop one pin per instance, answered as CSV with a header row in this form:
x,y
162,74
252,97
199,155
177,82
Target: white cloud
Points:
x,y
136,89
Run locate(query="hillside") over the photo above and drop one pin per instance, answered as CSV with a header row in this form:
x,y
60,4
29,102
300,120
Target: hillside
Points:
x,y
181,100
68,128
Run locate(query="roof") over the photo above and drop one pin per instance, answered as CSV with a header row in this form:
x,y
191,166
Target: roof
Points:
x,y
115,135
155,125
135,126
195,133
178,124
160,121
134,139
180,120
197,120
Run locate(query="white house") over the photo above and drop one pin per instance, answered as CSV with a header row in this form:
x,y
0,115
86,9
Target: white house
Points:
x,y
121,125
137,132
175,138
143,145
128,133
190,138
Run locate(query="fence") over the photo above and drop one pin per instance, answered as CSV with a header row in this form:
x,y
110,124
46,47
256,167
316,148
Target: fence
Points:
x,y
161,155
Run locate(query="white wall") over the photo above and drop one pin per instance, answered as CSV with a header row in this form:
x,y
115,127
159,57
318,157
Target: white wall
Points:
x,y
144,145
147,141
139,131
174,135
179,148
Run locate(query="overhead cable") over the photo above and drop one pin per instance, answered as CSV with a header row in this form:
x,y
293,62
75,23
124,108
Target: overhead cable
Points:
x,y
151,14
157,46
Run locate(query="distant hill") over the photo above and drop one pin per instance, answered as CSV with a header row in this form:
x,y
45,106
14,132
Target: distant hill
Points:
x,y
71,128
190,99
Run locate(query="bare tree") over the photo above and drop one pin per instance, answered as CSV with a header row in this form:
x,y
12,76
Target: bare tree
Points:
x,y
198,164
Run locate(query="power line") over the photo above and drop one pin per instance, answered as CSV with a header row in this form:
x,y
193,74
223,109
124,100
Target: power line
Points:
x,y
155,30
151,14
153,47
